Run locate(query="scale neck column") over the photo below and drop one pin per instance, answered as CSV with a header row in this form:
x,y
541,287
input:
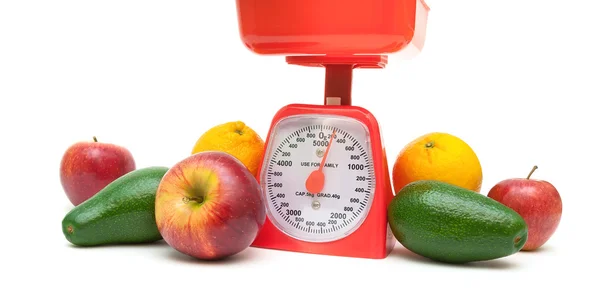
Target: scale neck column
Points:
x,y
338,73
338,84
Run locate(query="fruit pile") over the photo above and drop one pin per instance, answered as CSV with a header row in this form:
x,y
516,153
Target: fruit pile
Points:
x,y
210,205
438,211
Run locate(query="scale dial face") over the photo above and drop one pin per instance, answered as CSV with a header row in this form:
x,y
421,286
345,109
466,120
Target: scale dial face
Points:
x,y
311,209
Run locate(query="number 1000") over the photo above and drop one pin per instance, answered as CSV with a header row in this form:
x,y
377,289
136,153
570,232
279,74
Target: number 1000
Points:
x,y
356,166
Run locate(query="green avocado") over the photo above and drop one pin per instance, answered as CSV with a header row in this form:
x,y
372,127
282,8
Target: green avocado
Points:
x,y
121,213
447,223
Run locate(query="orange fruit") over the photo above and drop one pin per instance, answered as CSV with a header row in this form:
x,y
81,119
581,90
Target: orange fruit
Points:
x,y
438,156
236,139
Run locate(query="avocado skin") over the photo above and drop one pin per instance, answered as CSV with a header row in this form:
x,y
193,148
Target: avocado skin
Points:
x,y
450,224
121,213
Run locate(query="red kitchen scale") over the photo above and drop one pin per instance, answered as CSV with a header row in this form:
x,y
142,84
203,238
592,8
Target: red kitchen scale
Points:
x,y
324,172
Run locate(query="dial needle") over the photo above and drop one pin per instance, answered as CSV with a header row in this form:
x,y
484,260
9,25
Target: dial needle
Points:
x,y
316,179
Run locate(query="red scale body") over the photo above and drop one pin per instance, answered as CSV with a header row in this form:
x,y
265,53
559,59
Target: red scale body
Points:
x,y
340,36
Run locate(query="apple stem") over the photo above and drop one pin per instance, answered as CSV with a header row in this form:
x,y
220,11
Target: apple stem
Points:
x,y
531,172
95,140
198,200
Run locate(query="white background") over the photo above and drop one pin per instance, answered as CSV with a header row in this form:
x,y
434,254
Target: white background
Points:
x,y
515,79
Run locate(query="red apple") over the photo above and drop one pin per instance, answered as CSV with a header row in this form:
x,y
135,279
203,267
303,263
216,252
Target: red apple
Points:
x,y
209,206
88,166
537,201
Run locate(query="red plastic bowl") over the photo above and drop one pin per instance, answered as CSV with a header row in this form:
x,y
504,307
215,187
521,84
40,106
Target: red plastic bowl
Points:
x,y
331,27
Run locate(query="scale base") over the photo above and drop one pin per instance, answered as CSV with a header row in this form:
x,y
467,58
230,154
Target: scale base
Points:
x,y
368,250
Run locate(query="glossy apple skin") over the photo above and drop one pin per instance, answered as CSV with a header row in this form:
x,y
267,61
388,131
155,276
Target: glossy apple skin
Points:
x,y
88,166
228,217
537,201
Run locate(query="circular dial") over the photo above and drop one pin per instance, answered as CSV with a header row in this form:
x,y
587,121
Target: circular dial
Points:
x,y
318,177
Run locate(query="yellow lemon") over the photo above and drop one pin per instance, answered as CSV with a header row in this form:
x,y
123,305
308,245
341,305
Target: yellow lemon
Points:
x,y
234,138
438,156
